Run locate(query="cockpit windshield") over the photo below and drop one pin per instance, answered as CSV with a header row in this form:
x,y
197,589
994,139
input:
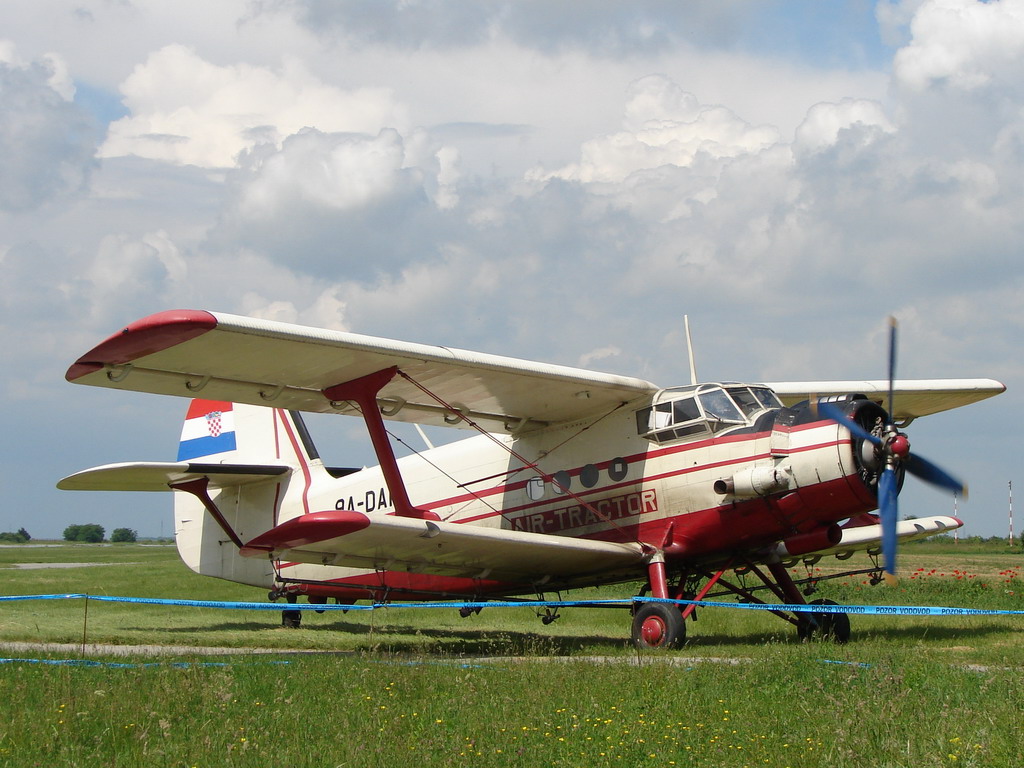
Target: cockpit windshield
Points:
x,y
687,412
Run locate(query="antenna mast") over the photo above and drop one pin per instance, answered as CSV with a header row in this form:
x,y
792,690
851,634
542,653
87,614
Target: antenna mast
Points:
x,y
1011,512
689,351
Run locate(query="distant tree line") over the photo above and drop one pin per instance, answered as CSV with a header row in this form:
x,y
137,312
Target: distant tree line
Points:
x,y
20,537
89,532
124,535
93,534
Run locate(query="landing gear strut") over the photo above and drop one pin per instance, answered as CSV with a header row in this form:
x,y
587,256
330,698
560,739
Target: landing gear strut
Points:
x,y
658,625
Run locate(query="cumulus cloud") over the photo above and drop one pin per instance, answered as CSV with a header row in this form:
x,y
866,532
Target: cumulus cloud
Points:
x,y
820,129
959,80
46,141
665,126
964,45
337,172
185,109
342,204
280,190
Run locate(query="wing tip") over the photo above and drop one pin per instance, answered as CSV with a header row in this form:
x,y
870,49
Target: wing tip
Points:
x,y
150,334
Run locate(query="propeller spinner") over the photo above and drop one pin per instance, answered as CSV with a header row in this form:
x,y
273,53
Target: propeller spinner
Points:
x,y
892,449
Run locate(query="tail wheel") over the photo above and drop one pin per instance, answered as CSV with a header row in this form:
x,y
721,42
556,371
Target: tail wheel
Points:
x,y
657,626
827,626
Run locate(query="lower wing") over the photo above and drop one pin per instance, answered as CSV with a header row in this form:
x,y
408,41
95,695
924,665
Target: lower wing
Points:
x,y
391,543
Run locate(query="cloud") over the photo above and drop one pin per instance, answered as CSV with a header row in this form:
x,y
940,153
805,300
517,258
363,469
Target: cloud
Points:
x,y
964,45
184,109
665,126
786,209
824,121
602,28
46,141
342,204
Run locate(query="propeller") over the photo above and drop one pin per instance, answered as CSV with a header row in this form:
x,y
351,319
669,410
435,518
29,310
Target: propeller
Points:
x,y
893,449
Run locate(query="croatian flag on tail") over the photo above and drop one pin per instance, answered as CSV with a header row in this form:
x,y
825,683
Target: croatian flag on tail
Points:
x,y
209,428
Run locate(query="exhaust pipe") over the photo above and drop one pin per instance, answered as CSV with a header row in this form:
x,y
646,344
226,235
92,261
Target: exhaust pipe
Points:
x,y
756,481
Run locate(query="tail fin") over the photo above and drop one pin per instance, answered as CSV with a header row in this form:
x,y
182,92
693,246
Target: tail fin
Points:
x,y
218,432
232,432
209,430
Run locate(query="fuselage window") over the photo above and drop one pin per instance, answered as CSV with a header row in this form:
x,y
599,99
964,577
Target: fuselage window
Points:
x,y
560,481
535,488
617,469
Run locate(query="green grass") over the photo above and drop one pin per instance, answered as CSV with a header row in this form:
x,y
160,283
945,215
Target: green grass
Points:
x,y
786,709
408,687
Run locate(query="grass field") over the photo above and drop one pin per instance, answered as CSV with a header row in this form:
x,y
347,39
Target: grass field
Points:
x,y
429,688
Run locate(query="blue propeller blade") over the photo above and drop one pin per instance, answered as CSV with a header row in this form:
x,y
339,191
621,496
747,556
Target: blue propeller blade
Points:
x,y
888,511
931,473
895,449
892,365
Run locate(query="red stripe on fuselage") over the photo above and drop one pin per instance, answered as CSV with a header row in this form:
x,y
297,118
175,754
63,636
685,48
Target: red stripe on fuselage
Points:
x,y
640,457
299,456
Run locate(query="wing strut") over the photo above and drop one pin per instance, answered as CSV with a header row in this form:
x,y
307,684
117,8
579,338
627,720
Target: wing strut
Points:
x,y
200,489
363,392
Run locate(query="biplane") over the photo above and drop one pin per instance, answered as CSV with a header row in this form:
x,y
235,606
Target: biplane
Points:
x,y
573,479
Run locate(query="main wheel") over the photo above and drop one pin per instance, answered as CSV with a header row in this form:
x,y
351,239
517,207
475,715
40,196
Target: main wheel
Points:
x,y
827,626
658,625
291,619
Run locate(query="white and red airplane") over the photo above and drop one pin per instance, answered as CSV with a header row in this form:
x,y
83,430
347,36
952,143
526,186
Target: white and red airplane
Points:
x,y
575,479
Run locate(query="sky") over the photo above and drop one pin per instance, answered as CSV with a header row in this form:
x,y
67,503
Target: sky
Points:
x,y
553,180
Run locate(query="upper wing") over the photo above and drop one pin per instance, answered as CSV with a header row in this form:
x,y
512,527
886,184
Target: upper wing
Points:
x,y
158,475
392,543
261,362
912,398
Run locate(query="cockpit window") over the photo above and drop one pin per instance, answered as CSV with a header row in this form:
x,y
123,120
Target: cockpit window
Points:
x,y
692,411
766,397
745,399
685,410
718,407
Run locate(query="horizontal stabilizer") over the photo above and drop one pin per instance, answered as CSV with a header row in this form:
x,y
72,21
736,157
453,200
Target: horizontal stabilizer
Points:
x,y
391,543
158,475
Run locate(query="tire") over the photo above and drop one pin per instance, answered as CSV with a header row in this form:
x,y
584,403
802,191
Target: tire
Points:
x,y
291,619
826,626
658,626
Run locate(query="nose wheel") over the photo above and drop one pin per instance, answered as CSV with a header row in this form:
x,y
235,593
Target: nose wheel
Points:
x,y
658,626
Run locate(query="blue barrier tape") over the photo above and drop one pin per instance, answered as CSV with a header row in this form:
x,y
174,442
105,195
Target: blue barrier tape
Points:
x,y
867,610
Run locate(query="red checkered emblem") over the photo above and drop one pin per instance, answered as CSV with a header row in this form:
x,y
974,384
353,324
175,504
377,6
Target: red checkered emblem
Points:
x,y
213,422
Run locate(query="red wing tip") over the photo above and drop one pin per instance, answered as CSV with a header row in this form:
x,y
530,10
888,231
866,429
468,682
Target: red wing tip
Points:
x,y
306,529
151,334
